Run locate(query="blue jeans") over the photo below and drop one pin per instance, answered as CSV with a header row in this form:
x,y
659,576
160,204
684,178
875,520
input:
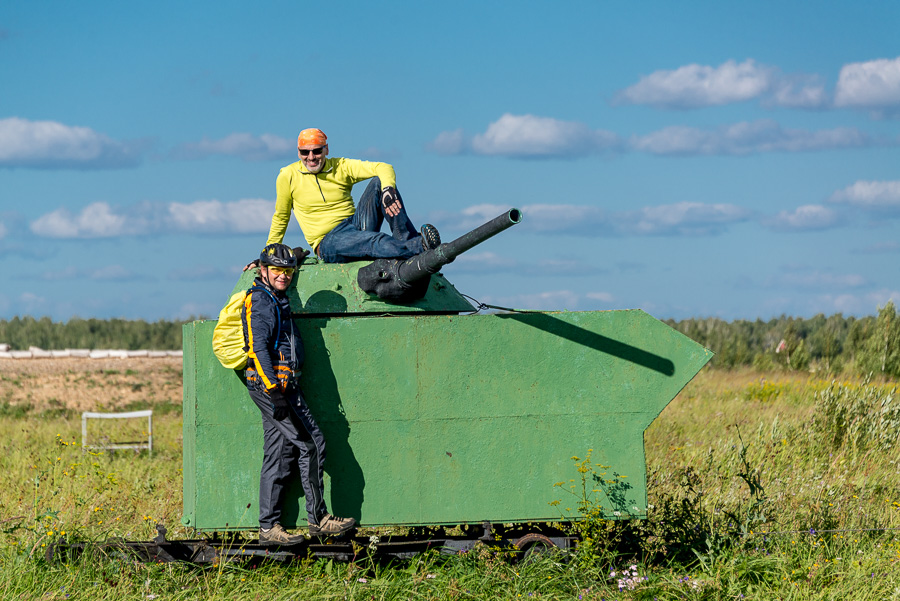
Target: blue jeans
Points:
x,y
359,236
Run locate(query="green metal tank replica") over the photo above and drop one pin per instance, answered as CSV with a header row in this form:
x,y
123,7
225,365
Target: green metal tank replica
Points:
x,y
435,416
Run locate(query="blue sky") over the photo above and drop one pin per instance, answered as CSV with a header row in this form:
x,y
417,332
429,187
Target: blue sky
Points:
x,y
737,160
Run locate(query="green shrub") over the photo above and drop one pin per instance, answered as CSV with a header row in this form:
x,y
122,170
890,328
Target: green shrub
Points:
x,y
865,416
880,351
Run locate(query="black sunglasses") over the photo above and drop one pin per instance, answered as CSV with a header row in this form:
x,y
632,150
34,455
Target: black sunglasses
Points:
x,y
315,151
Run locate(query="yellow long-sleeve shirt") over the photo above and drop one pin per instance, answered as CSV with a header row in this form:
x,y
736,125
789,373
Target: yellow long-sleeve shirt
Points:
x,y
321,200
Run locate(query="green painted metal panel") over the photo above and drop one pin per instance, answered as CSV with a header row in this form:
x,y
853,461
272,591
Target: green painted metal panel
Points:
x,y
189,395
433,419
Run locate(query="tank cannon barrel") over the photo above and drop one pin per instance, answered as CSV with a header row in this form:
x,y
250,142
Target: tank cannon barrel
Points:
x,y
428,262
407,280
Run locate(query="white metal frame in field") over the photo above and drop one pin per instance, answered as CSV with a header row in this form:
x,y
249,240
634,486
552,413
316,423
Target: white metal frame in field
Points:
x,y
118,445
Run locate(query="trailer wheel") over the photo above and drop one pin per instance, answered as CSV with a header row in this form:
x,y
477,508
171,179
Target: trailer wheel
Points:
x,y
534,545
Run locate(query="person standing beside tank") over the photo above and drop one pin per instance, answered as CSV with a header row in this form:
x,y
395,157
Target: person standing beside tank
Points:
x,y
317,189
274,357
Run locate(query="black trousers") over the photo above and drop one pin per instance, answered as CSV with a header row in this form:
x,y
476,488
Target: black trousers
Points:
x,y
297,436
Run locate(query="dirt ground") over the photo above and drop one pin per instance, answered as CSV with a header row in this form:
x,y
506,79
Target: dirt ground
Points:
x,y
89,384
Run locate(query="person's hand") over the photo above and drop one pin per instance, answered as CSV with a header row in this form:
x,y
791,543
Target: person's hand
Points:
x,y
390,200
252,264
301,253
280,405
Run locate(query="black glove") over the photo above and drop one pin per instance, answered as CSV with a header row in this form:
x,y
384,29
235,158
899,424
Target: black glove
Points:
x,y
280,407
389,196
252,264
301,253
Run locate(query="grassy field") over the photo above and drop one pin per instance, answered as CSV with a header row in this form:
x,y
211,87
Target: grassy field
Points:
x,y
763,486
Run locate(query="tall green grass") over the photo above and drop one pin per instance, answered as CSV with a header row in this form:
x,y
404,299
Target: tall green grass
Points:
x,y
762,485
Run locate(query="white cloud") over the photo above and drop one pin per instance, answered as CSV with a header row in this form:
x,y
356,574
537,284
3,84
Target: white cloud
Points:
x,y
531,136
563,267
468,218
604,297
242,145
806,92
856,304
630,267
872,84
577,219
244,216
528,136
100,220
67,273
483,262
554,300
871,195
449,142
195,273
32,304
52,145
109,273
879,248
96,220
695,85
806,217
846,303
805,278
490,262
745,138
683,218
112,272
565,218
196,311
374,153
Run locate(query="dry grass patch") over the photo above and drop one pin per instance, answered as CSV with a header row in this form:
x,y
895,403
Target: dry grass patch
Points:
x,y
77,384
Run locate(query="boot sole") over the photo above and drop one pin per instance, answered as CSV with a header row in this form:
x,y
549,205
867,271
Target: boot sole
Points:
x,y
432,241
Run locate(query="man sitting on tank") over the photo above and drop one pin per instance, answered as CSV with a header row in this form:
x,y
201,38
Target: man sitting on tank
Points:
x,y
275,355
317,189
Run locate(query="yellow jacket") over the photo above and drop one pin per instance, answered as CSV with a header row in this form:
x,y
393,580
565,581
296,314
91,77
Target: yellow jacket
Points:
x,y
321,200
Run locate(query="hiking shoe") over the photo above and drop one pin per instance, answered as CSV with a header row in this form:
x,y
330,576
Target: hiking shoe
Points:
x,y
276,535
330,525
430,237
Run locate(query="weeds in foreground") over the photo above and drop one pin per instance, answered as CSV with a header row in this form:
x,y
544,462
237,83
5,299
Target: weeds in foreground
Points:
x,y
773,510
51,487
752,500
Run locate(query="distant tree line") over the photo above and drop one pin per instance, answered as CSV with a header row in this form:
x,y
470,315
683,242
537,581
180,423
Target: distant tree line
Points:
x,y
23,332
830,345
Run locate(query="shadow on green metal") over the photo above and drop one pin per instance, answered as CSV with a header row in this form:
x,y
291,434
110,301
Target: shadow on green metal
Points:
x,y
598,342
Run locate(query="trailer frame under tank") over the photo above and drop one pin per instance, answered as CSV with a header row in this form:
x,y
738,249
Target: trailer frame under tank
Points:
x,y
233,547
